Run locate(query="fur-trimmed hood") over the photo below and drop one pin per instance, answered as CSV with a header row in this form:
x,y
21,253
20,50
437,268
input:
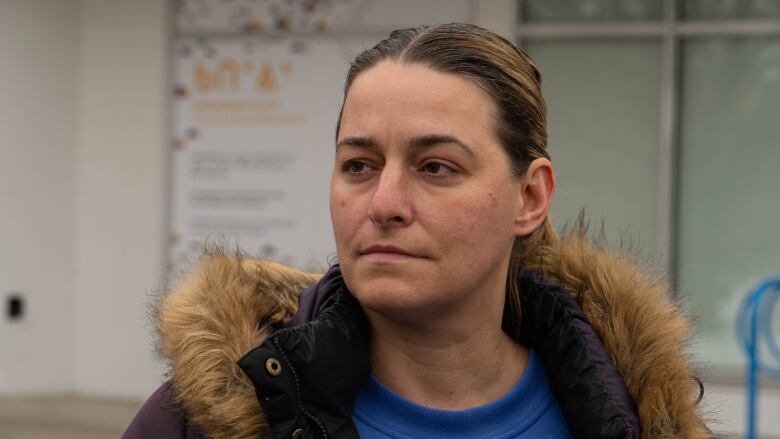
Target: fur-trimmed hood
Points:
x,y
226,307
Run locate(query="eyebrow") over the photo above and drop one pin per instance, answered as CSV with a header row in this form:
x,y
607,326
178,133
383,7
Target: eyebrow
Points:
x,y
423,141
359,142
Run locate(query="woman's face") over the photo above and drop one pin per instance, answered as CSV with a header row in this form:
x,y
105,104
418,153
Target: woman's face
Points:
x,y
422,199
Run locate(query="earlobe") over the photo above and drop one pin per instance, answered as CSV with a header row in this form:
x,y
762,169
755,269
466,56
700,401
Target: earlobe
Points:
x,y
537,192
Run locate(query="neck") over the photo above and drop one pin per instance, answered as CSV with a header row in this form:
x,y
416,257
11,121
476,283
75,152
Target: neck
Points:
x,y
450,363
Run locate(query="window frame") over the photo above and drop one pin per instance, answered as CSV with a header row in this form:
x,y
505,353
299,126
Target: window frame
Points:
x,y
671,31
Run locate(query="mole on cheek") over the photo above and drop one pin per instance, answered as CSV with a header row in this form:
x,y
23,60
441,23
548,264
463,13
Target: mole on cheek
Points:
x,y
493,199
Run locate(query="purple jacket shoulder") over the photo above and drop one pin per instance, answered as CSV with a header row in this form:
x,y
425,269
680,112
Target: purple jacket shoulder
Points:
x,y
160,419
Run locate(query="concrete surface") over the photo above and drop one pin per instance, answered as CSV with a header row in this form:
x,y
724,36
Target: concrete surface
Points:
x,y
64,417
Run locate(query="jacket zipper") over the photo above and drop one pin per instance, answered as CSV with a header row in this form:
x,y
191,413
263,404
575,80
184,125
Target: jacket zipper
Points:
x,y
305,412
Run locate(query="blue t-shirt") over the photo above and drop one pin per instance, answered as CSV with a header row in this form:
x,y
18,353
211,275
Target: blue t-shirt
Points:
x,y
528,410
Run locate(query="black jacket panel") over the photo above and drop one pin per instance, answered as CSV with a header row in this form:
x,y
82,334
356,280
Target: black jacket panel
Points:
x,y
322,365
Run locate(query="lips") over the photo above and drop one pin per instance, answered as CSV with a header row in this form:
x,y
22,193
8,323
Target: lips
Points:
x,y
386,253
379,248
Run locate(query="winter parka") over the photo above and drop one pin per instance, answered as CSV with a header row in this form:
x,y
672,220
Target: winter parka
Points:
x,y
260,350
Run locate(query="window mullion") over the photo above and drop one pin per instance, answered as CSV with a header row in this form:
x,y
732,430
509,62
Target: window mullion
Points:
x,y
668,148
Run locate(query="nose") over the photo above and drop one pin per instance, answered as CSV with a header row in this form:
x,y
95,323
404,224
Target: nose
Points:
x,y
391,204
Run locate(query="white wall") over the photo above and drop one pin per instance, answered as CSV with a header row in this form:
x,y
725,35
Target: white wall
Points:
x,y
727,405
497,15
122,192
38,113
82,191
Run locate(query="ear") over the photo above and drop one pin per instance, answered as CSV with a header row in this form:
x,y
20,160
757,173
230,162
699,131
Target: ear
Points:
x,y
537,190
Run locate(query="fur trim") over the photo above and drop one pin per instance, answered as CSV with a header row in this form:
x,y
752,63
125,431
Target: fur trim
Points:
x,y
644,331
218,313
224,308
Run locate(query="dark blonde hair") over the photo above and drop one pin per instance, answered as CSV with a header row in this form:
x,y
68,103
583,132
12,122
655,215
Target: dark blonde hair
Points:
x,y
508,75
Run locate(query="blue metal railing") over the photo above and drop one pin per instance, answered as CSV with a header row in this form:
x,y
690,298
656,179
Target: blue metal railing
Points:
x,y
754,329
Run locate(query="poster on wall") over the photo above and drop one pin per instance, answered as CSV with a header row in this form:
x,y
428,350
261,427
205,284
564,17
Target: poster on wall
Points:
x,y
266,15
257,86
253,145
228,17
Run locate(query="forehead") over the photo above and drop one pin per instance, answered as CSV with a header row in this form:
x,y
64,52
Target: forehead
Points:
x,y
414,99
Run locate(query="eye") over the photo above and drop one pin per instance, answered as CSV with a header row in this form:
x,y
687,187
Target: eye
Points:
x,y
437,169
356,167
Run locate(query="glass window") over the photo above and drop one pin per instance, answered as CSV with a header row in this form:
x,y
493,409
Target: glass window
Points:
x,y
730,9
603,100
591,10
729,182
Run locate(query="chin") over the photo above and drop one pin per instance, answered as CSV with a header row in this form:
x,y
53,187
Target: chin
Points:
x,y
388,295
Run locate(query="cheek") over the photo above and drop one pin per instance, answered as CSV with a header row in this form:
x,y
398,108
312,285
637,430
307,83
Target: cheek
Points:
x,y
342,215
478,219
493,200
491,221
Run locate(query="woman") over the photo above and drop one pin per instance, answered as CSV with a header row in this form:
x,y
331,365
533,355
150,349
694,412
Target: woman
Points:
x,y
454,310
